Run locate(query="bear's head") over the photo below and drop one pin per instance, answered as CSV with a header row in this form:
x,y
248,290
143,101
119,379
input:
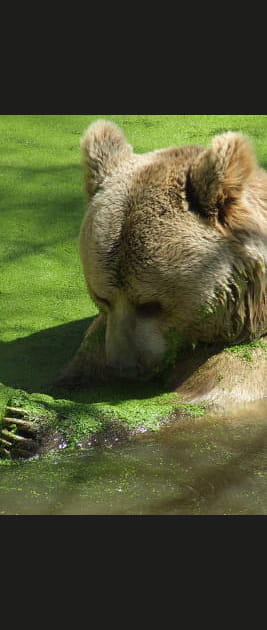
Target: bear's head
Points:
x,y
174,244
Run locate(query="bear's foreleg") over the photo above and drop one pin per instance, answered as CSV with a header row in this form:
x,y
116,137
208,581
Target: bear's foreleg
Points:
x,y
89,362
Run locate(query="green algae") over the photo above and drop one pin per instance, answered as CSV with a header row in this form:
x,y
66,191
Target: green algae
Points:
x,y
246,350
175,346
74,423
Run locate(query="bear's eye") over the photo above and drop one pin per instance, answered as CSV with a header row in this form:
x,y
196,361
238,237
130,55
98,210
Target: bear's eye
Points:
x,y
149,309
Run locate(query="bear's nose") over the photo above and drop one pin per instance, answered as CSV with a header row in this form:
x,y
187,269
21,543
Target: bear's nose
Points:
x,y
127,372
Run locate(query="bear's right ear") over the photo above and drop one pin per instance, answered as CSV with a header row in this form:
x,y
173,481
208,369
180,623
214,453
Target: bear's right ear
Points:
x,y
103,147
218,175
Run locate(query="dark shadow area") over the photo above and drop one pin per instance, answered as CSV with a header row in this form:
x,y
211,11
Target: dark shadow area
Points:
x,y
33,363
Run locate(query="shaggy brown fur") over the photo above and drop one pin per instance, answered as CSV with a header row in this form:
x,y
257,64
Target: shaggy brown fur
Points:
x,y
173,241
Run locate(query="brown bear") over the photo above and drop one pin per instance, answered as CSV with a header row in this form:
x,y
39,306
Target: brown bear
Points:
x,y
174,252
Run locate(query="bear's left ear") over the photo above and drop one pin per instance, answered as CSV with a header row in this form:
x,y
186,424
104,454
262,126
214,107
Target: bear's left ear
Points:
x,y
103,148
219,174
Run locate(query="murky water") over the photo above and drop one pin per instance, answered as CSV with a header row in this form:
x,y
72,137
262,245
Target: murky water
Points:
x,y
200,466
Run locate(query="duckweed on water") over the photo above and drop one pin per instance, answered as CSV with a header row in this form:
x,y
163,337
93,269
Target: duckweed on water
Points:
x,y
111,413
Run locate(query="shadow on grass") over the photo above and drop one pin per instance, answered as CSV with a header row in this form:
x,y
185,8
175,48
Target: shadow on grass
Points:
x,y
33,363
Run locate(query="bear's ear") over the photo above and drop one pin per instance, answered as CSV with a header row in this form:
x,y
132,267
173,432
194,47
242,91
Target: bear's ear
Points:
x,y
103,147
218,175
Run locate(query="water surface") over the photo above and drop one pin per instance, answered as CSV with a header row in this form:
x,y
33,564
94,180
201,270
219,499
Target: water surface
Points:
x,y
193,466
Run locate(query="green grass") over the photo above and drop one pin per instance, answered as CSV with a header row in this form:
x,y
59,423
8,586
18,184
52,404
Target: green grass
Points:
x,y
44,304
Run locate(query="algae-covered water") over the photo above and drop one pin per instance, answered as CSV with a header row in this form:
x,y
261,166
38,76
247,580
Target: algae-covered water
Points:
x,y
204,465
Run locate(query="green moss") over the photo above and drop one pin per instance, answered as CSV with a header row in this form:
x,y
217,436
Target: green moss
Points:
x,y
5,393
245,351
205,311
76,422
192,410
176,347
141,408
